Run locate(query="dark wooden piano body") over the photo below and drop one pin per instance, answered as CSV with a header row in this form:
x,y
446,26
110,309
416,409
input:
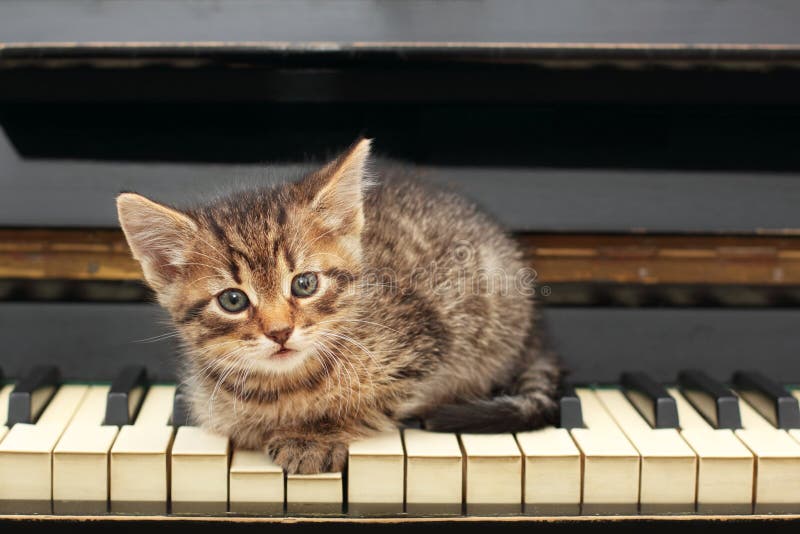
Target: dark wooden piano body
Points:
x,y
646,153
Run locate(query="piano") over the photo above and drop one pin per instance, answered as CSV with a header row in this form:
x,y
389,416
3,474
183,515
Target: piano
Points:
x,y
695,447
643,153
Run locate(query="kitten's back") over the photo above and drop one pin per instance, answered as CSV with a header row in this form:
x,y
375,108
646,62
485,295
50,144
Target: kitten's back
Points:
x,y
462,272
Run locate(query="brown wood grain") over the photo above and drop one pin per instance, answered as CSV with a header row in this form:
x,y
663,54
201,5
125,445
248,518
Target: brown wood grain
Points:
x,y
557,258
66,254
649,259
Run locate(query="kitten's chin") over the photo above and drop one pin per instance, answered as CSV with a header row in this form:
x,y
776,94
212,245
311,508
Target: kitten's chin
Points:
x,y
279,362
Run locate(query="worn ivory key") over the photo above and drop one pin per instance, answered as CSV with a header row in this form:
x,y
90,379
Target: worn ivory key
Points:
x,y
26,454
255,483
434,472
80,459
552,484
552,472
777,463
321,493
725,465
668,465
611,463
140,457
492,472
375,474
199,471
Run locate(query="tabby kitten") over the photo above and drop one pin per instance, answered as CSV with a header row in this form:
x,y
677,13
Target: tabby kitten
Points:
x,y
318,312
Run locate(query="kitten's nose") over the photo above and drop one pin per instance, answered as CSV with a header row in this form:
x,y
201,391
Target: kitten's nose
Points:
x,y
280,336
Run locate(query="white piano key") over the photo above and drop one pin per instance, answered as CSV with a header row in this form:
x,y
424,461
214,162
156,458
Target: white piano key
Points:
x,y
668,473
552,472
26,452
725,465
199,471
140,456
777,463
611,463
255,483
434,472
492,473
80,459
321,493
5,391
376,474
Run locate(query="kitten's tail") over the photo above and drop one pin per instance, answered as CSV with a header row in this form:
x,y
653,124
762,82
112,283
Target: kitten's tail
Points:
x,y
532,401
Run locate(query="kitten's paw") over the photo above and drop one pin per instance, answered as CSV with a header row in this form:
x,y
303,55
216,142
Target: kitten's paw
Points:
x,y
306,456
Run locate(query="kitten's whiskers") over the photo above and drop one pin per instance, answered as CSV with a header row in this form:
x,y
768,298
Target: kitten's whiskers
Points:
x,y
360,321
348,362
159,337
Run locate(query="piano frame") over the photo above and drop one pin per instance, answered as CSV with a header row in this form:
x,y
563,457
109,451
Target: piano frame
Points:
x,y
201,525
736,53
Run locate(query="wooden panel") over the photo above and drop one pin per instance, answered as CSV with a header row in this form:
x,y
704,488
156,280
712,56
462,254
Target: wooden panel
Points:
x,y
72,254
557,258
657,259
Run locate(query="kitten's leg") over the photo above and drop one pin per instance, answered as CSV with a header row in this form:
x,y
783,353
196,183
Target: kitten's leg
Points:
x,y
307,455
531,403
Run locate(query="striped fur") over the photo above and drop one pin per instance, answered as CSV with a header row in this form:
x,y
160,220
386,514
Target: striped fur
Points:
x,y
419,312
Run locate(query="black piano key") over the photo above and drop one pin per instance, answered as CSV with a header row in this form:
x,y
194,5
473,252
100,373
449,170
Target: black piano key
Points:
x,y
180,409
718,404
769,398
32,393
126,396
651,400
570,409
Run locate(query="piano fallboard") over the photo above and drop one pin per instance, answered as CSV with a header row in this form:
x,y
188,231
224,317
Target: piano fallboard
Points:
x,y
94,340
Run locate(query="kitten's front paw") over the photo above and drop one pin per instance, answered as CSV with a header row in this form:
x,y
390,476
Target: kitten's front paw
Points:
x,y
306,456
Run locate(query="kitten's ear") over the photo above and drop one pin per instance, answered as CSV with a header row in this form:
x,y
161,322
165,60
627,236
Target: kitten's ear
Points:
x,y
338,189
158,236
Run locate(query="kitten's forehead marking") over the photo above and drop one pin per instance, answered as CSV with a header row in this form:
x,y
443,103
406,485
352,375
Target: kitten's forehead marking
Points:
x,y
262,252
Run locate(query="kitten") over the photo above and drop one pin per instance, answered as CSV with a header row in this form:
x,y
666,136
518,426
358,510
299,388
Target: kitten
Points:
x,y
318,312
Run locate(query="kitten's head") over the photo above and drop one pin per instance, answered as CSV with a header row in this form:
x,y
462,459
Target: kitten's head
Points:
x,y
257,280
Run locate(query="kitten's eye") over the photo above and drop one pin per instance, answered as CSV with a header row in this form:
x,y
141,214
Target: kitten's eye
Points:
x,y
304,285
233,300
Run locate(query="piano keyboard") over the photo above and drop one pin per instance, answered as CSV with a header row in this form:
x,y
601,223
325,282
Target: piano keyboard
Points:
x,y
697,446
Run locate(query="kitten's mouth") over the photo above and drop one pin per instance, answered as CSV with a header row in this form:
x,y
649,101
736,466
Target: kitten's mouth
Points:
x,y
283,353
